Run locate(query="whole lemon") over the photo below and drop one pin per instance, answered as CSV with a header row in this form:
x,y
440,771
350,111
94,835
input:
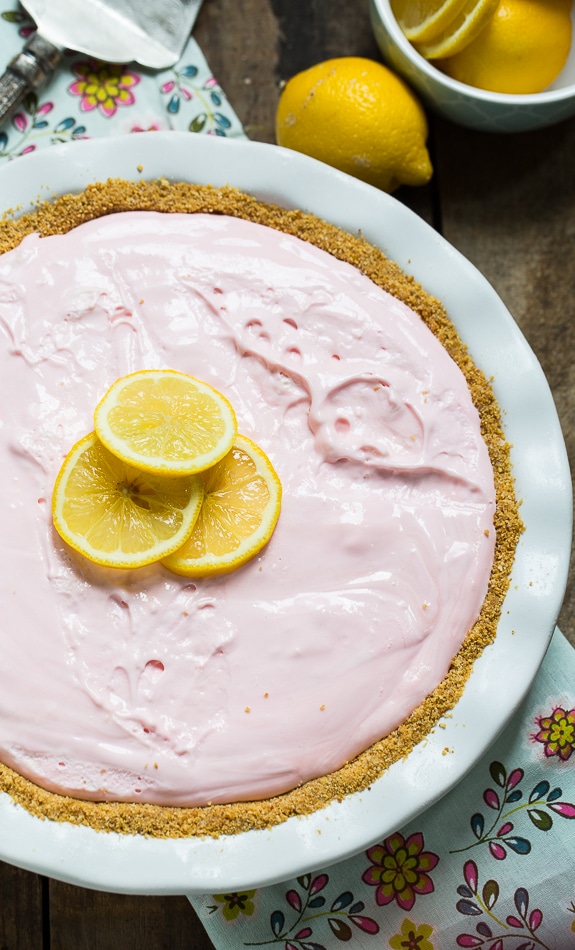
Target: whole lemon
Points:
x,y
358,116
522,49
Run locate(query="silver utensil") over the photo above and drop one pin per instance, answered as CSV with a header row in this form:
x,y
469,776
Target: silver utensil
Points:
x,y
149,32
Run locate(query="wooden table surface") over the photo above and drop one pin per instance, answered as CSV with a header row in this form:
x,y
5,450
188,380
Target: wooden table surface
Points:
x,y
506,202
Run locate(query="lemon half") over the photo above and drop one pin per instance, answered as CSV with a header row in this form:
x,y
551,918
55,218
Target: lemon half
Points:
x,y
521,50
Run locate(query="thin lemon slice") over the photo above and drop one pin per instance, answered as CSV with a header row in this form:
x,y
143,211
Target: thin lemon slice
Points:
x,y
242,498
462,30
117,515
165,422
423,20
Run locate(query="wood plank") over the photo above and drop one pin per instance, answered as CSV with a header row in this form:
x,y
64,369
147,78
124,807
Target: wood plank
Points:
x,y
238,40
36,913
82,919
21,909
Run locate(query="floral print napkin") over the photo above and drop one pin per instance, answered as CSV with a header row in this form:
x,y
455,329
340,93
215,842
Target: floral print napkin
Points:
x,y
491,865
88,99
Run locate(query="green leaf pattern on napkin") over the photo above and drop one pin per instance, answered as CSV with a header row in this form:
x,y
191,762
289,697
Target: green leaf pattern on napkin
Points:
x,y
86,98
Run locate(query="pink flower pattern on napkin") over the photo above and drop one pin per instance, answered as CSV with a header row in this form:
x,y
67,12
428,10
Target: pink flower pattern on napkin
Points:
x,y
557,733
399,869
86,98
104,86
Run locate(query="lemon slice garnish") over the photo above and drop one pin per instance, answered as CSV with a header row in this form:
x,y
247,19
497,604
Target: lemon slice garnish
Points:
x,y
117,515
165,422
242,498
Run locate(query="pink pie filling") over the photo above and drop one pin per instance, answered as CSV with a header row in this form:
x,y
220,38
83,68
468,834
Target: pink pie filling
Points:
x,y
144,686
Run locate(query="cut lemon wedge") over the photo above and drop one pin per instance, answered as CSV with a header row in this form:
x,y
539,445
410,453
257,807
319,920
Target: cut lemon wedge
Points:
x,y
423,20
468,23
242,498
117,515
165,422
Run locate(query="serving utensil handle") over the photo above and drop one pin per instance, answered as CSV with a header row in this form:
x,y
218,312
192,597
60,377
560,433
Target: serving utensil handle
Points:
x,y
27,72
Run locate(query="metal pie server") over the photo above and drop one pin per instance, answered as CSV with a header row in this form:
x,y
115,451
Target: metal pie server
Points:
x,y
149,32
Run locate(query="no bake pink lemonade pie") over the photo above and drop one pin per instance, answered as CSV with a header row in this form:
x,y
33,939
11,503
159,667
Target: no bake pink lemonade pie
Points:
x,y
140,699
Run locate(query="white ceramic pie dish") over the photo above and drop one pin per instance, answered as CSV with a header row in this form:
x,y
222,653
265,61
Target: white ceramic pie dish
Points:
x,y
501,678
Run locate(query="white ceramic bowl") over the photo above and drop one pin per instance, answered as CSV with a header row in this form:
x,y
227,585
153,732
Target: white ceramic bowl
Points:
x,y
476,108
502,676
